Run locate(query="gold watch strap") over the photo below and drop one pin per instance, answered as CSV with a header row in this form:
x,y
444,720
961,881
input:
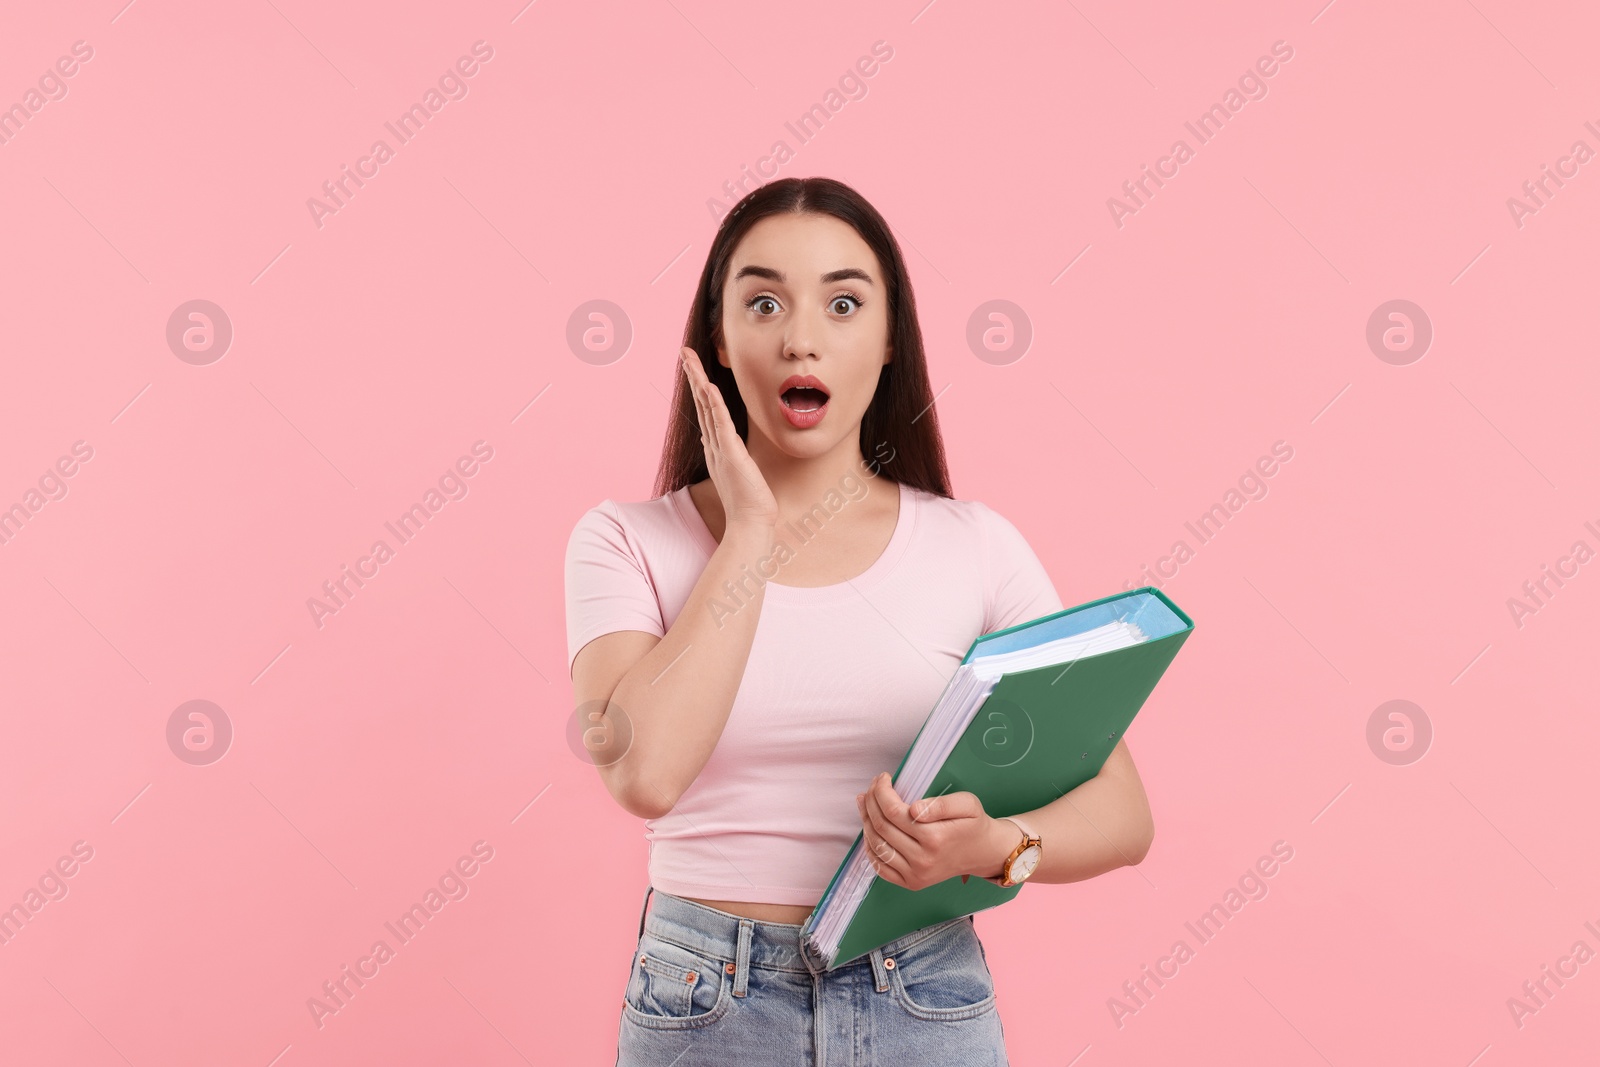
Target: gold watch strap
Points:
x,y
1024,827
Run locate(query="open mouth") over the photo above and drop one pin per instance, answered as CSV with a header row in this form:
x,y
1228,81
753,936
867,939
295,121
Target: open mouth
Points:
x,y
804,399
803,394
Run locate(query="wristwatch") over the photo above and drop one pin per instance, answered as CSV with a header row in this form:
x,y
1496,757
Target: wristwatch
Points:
x,y
1024,859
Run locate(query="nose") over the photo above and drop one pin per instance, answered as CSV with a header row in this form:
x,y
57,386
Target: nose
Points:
x,y
800,349
800,341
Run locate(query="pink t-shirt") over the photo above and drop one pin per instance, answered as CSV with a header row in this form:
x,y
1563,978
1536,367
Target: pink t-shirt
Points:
x,y
838,682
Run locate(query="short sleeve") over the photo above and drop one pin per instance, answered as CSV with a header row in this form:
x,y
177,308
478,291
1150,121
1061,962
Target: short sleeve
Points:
x,y
1017,588
607,588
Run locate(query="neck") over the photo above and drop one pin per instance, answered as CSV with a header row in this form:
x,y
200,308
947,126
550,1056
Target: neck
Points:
x,y
799,484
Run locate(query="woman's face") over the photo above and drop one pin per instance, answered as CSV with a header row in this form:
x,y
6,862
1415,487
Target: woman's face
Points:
x,y
804,296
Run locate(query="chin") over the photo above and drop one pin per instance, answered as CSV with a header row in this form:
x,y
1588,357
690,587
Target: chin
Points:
x,y
807,447
802,444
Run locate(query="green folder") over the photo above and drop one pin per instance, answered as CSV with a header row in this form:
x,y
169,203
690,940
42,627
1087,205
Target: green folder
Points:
x,y
1038,735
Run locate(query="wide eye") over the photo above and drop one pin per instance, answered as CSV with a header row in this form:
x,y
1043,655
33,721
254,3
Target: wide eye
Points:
x,y
755,304
842,304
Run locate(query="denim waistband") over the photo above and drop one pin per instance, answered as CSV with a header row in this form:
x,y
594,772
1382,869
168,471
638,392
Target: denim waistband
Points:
x,y
774,946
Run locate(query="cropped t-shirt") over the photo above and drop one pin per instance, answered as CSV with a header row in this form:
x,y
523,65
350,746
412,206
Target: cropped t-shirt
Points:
x,y
837,684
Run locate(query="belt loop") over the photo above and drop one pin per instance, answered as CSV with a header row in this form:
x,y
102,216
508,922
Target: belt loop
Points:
x,y
647,891
741,967
880,975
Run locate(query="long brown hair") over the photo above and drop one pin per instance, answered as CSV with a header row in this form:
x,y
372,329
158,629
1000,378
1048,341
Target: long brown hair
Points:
x,y
899,431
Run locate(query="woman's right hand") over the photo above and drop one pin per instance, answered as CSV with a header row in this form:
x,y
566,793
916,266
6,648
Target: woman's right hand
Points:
x,y
744,492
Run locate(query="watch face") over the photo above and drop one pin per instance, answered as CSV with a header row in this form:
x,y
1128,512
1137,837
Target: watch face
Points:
x,y
1025,862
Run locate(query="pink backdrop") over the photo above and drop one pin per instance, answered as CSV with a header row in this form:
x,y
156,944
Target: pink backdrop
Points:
x,y
180,488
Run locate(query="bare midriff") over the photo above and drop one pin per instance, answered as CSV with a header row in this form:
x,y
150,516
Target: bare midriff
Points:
x,y
794,914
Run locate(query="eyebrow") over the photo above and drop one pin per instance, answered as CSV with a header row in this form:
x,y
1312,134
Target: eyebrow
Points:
x,y
778,275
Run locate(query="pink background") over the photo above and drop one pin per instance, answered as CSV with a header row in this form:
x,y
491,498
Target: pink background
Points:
x,y
431,312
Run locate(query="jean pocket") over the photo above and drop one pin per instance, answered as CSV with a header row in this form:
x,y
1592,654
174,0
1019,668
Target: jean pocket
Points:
x,y
944,976
673,988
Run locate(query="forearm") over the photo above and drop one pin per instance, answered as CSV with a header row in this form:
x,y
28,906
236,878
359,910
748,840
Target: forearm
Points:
x,y
676,699
1103,824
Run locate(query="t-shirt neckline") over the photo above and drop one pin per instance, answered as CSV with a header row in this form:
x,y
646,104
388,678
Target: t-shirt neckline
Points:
x,y
690,516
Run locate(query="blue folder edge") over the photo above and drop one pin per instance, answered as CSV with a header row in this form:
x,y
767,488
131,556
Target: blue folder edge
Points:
x,y
1146,608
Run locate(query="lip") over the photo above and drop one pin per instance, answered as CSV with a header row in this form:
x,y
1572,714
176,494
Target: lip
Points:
x,y
803,420
803,381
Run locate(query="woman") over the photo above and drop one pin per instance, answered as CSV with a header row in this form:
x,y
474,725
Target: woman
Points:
x,y
761,641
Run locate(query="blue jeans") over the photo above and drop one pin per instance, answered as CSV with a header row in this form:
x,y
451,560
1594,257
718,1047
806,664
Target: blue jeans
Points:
x,y
710,988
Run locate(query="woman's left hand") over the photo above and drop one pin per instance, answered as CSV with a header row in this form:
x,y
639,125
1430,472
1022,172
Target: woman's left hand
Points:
x,y
915,846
